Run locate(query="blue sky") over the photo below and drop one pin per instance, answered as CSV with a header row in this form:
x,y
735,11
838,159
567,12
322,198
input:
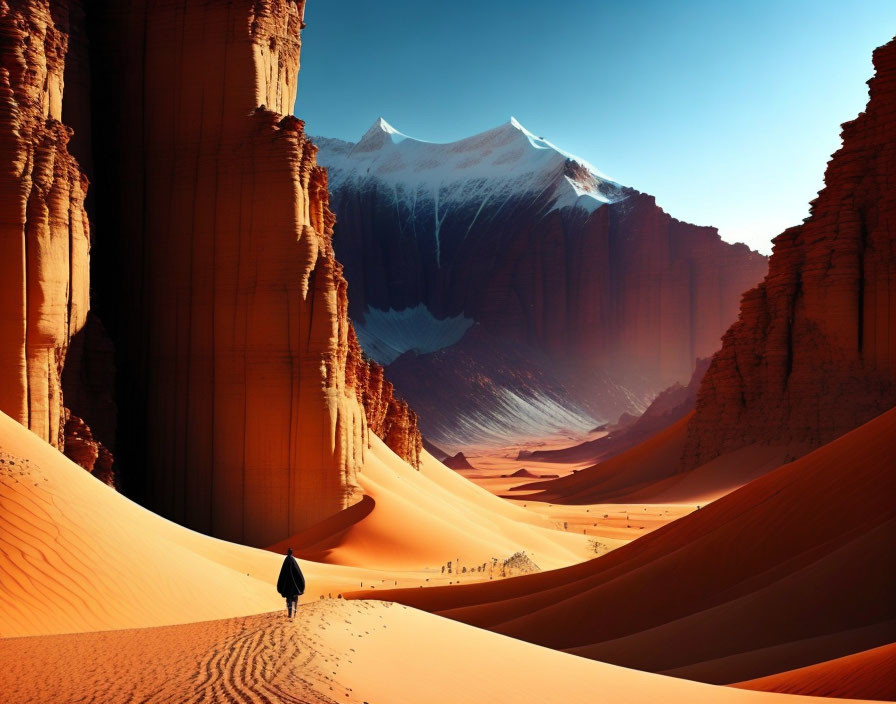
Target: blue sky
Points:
x,y
726,111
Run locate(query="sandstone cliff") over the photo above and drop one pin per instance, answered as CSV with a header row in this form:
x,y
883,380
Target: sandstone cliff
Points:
x,y
813,353
242,400
242,393
387,415
44,232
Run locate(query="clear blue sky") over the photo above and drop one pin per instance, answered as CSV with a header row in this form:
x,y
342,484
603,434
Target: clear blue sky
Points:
x,y
726,110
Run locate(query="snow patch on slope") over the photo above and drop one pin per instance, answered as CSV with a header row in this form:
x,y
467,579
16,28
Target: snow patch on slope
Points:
x,y
387,334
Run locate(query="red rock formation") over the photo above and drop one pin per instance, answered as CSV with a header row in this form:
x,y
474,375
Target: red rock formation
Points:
x,y
813,353
241,384
44,234
88,380
83,449
389,417
458,461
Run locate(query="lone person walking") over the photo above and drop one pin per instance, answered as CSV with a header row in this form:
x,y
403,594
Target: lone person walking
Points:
x,y
290,583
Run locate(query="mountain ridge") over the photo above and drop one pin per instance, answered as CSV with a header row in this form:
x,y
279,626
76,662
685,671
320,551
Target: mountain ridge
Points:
x,y
601,297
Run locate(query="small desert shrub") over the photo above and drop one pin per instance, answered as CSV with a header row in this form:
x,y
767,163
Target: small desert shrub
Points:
x,y
597,547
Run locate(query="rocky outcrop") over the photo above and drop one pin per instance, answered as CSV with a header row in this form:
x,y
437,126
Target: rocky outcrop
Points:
x,y
88,381
669,406
82,448
44,233
458,461
813,353
244,402
388,416
504,237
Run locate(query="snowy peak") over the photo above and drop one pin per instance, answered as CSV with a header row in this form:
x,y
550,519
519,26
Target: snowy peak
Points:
x,y
380,134
501,163
381,124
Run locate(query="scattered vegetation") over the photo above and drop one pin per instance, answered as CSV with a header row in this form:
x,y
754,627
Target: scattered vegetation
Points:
x,y
518,563
597,547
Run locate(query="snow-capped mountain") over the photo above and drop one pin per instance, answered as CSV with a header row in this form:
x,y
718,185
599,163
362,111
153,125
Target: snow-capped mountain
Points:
x,y
501,267
487,169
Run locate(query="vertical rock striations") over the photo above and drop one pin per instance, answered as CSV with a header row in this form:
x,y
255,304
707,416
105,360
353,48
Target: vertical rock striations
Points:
x,y
44,234
813,354
242,392
388,416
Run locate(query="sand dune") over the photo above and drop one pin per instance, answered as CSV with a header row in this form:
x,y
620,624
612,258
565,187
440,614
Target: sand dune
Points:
x,y
651,473
741,575
77,556
335,651
654,459
870,674
413,519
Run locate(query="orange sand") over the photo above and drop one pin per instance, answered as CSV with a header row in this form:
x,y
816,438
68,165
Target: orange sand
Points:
x,y
492,463
77,556
335,651
611,525
652,460
650,473
870,674
434,515
738,587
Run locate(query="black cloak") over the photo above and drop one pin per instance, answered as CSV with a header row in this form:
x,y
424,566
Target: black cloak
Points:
x,y
291,582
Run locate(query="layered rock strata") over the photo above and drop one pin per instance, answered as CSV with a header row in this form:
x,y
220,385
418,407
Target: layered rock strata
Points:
x,y
388,416
44,231
242,401
813,353
242,394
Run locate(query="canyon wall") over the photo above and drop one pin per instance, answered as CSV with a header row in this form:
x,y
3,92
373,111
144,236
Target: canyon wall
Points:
x,y
217,278
242,400
44,231
813,353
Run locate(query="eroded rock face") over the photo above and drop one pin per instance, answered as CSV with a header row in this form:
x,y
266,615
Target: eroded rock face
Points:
x,y
82,448
387,415
813,353
88,380
514,247
44,233
244,400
